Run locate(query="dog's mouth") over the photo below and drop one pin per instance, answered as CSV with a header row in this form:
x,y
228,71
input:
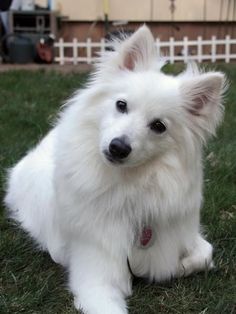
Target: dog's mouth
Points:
x,y
112,159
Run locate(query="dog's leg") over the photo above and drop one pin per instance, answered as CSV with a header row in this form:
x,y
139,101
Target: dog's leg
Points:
x,y
177,250
98,281
198,258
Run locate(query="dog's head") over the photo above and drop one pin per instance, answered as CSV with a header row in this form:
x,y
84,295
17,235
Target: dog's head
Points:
x,y
147,113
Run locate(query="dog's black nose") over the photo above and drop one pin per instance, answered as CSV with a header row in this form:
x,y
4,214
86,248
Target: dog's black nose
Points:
x,y
119,148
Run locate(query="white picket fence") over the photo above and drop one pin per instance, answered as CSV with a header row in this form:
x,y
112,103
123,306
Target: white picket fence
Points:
x,y
173,50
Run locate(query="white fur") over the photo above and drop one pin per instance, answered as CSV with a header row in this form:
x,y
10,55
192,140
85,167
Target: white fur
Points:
x,y
87,212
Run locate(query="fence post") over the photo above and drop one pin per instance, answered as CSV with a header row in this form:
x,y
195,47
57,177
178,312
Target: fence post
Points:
x,y
75,51
213,49
89,50
172,50
185,49
102,45
61,51
199,49
227,49
158,48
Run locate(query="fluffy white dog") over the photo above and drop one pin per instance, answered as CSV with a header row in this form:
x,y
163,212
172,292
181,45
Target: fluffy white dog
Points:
x,y
120,176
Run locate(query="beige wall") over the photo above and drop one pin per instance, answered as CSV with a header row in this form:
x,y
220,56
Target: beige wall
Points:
x,y
131,10
186,10
145,10
213,10
82,9
85,10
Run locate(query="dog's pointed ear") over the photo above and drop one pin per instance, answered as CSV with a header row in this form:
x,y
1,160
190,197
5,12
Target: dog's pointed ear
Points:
x,y
138,51
202,96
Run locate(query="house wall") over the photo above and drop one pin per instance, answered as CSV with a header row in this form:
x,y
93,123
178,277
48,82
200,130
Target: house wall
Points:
x,y
192,18
163,30
146,10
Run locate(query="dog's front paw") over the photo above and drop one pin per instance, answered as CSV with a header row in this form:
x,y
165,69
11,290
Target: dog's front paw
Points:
x,y
102,306
199,259
191,264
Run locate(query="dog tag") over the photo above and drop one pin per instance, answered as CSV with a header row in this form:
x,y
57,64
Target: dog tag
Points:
x,y
146,237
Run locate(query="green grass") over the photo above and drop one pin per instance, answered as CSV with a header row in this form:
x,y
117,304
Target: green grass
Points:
x,y
31,283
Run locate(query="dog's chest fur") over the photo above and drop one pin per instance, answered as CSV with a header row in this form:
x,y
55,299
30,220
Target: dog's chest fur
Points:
x,y
136,201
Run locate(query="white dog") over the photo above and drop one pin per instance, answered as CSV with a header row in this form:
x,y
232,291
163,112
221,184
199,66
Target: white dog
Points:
x,y
119,178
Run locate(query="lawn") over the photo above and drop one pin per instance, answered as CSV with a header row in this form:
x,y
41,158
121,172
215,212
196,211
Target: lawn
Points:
x,y
31,283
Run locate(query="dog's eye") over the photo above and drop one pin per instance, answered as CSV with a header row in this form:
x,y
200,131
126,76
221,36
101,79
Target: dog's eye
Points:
x,y
157,126
121,106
